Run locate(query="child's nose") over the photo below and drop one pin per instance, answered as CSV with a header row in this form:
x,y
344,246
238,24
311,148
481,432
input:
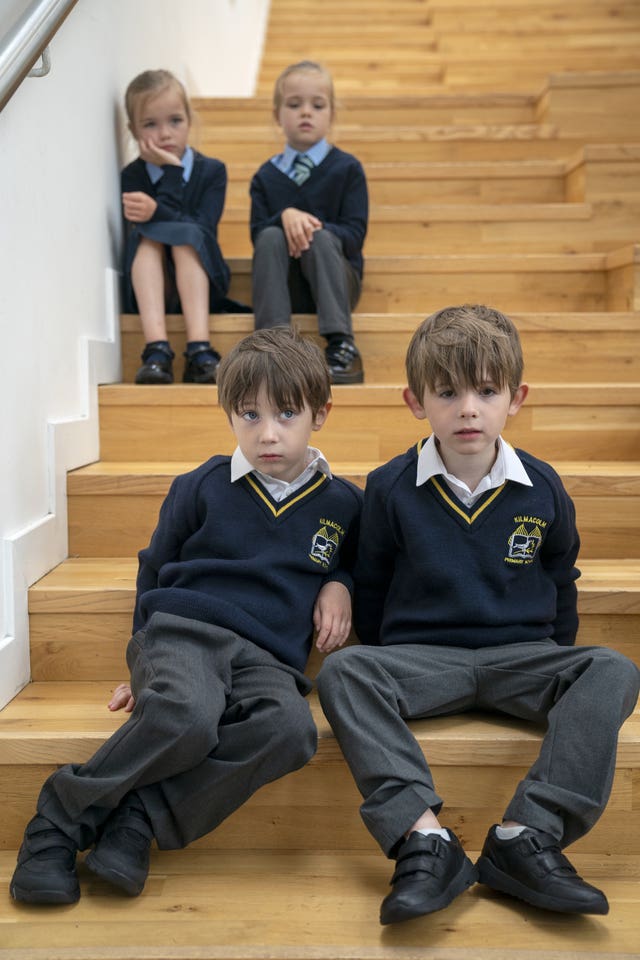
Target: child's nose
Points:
x,y
468,404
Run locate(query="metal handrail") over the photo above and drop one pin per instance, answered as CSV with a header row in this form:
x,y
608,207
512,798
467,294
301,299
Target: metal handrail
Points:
x,y
21,47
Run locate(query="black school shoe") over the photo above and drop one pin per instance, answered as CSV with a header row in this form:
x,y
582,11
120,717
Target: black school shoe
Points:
x,y
46,868
429,874
157,359
344,361
121,855
201,365
533,868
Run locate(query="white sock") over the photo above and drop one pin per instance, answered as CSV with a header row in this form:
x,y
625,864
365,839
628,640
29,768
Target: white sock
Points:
x,y
508,833
440,831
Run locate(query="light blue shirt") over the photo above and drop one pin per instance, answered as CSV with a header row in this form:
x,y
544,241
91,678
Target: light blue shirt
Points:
x,y
284,161
155,172
508,466
280,489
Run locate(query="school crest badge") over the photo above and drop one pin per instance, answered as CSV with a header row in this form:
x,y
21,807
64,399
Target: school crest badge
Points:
x,y
523,544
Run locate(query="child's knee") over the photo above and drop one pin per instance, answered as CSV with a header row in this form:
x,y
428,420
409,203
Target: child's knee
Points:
x,y
270,240
292,733
339,672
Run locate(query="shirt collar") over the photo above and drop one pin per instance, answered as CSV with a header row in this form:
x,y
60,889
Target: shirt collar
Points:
x,y
280,489
155,172
284,161
508,466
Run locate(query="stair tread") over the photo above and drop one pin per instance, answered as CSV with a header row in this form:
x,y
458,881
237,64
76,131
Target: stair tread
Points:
x,y
577,321
390,394
116,575
308,905
604,478
63,721
456,212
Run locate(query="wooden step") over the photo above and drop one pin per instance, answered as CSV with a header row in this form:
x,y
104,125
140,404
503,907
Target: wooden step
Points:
x,y
421,228
576,421
113,507
489,141
499,181
80,614
607,343
452,108
196,903
52,723
522,282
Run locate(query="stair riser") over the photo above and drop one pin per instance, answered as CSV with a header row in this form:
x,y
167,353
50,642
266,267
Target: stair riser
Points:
x,y
371,433
116,526
90,646
599,356
387,239
317,807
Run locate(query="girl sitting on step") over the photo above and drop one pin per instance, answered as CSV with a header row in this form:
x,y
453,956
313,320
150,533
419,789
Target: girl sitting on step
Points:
x,y
309,212
172,197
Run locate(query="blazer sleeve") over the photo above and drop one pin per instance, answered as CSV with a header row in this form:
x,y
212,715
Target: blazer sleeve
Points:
x,y
377,549
350,224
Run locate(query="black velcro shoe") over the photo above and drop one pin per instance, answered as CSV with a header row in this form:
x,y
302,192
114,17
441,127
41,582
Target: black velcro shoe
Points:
x,y
201,365
46,868
157,364
532,868
430,873
344,361
121,855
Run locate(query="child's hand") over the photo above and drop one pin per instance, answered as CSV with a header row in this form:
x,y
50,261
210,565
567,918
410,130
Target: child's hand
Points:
x,y
152,153
299,228
332,616
138,207
122,698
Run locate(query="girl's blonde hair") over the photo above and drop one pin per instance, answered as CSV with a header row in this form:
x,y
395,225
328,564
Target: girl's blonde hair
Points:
x,y
304,66
149,84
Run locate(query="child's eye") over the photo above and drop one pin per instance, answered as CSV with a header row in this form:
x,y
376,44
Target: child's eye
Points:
x,y
249,415
487,391
446,393
288,414
148,123
293,104
176,121
320,105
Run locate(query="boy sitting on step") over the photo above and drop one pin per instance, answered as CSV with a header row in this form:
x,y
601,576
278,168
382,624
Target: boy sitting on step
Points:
x,y
465,598
250,553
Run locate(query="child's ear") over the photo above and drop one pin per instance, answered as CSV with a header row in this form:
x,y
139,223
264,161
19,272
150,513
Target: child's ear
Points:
x,y
518,398
414,404
321,416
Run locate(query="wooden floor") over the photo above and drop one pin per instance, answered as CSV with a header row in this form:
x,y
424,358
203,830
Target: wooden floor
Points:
x,y
501,143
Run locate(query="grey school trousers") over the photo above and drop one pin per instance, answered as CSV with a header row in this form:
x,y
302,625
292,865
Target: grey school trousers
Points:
x,y
582,694
321,281
215,718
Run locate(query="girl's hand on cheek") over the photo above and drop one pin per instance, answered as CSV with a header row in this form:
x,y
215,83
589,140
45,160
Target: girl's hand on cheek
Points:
x,y
152,153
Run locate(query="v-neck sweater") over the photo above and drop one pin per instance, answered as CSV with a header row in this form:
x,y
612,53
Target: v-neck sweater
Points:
x,y
432,571
228,554
335,192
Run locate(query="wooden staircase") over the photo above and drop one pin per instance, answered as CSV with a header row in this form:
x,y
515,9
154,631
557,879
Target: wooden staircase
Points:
x,y
501,141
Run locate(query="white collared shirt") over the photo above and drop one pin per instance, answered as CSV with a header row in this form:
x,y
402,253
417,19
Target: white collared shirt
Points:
x,y
280,489
508,466
284,161
155,172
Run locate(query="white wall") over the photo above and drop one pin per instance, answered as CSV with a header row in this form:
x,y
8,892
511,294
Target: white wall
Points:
x,y
62,145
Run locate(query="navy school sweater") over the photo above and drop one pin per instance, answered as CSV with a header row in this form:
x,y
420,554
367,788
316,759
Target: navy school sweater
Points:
x,y
433,571
227,554
335,192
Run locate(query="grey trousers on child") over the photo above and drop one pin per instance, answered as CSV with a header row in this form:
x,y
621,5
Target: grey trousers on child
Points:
x,y
582,694
215,718
321,281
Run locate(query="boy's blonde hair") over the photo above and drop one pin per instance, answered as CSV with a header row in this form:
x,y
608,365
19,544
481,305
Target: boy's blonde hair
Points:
x,y
304,66
464,346
292,369
149,84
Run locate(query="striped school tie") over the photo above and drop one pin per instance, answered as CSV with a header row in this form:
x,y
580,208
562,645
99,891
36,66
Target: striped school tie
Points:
x,y
302,167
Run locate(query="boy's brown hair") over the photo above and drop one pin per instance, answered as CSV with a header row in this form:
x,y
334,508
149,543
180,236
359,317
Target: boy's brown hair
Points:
x,y
292,369
304,66
464,346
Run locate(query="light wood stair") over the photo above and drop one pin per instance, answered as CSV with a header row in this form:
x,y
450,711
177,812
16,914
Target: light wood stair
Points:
x,y
501,142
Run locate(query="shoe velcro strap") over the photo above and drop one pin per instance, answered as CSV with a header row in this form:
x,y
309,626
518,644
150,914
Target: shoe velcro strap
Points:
x,y
547,851
49,839
421,860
